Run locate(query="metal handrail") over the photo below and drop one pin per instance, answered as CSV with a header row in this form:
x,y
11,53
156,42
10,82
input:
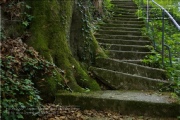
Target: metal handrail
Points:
x,y
170,16
164,11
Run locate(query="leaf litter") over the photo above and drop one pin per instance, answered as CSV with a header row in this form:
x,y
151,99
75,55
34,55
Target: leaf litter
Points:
x,y
58,112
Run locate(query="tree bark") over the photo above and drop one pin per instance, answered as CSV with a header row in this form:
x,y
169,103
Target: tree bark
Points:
x,y
99,6
50,35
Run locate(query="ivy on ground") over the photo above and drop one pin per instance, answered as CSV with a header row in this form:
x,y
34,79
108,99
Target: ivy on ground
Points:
x,y
22,69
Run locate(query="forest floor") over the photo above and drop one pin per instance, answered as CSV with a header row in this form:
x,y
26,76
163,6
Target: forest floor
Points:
x,y
56,112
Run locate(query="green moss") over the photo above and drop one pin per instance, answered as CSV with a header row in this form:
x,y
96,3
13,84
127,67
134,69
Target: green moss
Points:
x,y
54,82
95,100
98,50
50,31
83,79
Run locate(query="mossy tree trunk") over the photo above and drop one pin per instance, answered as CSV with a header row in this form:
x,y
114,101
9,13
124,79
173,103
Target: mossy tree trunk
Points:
x,y
50,31
82,41
98,5
61,33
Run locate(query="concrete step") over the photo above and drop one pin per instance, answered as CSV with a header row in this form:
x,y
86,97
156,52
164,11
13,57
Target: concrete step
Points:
x,y
125,42
130,68
123,2
140,103
121,55
120,28
119,80
122,25
125,6
126,19
124,37
125,10
123,13
122,47
119,32
125,16
124,22
139,62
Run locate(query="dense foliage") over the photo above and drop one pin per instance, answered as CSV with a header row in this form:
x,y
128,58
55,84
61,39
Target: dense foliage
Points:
x,y
171,39
22,70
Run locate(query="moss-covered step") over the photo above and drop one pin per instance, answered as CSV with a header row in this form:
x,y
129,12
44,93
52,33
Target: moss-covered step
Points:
x,y
125,42
119,80
139,62
126,19
126,6
130,68
125,16
123,37
124,22
119,32
124,10
124,102
117,4
124,47
120,28
127,54
122,25
123,2
123,13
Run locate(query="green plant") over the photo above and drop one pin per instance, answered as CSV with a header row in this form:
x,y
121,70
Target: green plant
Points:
x,y
139,13
2,36
172,39
18,10
18,93
22,70
107,4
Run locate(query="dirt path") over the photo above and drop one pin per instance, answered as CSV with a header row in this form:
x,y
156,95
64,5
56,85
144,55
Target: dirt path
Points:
x,y
56,112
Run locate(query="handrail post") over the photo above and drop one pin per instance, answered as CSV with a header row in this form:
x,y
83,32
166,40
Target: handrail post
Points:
x,y
142,4
163,37
170,56
164,11
147,16
147,11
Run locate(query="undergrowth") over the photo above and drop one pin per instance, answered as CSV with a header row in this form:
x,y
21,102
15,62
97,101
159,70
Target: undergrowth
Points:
x,y
22,70
172,39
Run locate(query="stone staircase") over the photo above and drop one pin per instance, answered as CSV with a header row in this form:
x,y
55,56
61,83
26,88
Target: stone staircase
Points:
x,y
134,87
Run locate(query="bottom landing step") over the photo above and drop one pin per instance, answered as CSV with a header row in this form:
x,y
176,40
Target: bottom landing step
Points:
x,y
124,102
